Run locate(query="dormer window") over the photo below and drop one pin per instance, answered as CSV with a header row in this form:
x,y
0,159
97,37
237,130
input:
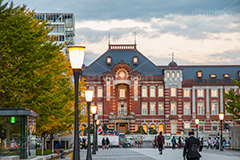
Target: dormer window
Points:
x,y
199,74
213,76
238,74
135,60
109,60
226,75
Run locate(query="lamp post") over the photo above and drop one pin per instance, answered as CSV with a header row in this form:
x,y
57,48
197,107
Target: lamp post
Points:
x,y
89,97
94,111
76,56
97,123
221,117
197,122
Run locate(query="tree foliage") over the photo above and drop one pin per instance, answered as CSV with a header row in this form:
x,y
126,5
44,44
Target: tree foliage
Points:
x,y
34,72
232,105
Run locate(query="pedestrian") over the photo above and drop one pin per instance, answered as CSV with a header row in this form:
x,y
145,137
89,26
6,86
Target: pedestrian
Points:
x,y
209,143
224,143
201,144
191,148
107,142
103,143
83,144
229,141
173,142
217,143
58,147
160,142
180,142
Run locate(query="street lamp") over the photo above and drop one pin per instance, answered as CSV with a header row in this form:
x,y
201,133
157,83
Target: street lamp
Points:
x,y
221,118
89,97
76,56
94,111
97,123
197,122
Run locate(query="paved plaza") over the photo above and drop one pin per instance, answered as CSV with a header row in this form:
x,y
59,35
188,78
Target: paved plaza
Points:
x,y
152,154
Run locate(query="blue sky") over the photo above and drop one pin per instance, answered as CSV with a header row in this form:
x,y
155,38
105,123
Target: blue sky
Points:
x,y
197,31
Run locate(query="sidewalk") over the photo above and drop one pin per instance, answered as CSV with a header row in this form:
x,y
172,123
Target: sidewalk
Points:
x,y
153,154
51,156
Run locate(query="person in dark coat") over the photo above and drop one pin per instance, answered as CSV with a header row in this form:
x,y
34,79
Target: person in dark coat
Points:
x,y
160,142
173,142
58,146
103,143
191,148
107,142
84,143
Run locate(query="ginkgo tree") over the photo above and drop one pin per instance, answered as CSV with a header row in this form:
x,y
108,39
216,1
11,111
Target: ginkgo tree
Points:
x,y
232,105
34,72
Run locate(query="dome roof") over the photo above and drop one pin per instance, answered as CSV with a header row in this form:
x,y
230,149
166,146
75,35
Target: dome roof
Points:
x,y
172,64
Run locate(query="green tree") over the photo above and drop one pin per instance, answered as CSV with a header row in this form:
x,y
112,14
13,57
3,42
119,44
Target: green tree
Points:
x,y
233,104
152,130
34,72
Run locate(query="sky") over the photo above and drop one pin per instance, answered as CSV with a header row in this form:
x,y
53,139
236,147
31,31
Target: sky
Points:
x,y
205,32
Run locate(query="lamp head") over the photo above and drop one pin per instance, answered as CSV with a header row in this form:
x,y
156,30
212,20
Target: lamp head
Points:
x,y
97,122
89,95
76,56
94,109
197,121
221,116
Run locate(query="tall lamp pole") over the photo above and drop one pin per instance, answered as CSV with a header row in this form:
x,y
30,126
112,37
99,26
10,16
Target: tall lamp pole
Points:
x,y
221,117
89,97
197,122
97,123
76,56
94,112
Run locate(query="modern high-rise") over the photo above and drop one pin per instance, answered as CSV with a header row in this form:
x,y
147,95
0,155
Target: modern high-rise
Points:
x,y
64,30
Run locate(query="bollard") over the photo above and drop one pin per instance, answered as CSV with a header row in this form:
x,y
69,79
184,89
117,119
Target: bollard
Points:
x,y
71,155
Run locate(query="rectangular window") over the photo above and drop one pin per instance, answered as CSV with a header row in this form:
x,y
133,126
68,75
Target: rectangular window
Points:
x,y
178,74
144,91
160,92
168,74
144,108
187,125
152,91
160,108
152,108
99,92
214,127
200,93
214,108
99,108
122,93
173,128
200,108
173,108
173,92
214,92
186,108
186,92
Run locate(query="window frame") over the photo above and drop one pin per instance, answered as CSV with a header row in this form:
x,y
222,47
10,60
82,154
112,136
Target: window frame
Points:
x,y
184,109
160,90
144,107
199,109
173,104
145,88
100,104
187,90
152,91
161,112
133,60
173,91
214,92
198,91
214,111
100,88
199,74
152,106
108,58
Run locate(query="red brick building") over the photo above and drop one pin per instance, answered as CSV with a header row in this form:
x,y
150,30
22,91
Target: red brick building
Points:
x,y
130,91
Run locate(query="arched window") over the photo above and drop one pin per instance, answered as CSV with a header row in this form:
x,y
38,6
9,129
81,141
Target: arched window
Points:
x,y
161,128
145,128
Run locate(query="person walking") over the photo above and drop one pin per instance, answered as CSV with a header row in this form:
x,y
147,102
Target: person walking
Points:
x,y
173,142
180,142
160,142
209,143
191,148
103,143
84,143
107,142
58,147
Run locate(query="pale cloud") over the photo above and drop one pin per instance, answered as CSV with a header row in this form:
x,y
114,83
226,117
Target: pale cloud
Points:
x,y
192,37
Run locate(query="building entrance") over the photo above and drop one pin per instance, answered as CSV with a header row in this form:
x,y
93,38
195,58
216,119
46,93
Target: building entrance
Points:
x,y
122,127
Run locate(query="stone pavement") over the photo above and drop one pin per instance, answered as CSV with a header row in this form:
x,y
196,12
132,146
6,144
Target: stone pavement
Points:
x,y
152,154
